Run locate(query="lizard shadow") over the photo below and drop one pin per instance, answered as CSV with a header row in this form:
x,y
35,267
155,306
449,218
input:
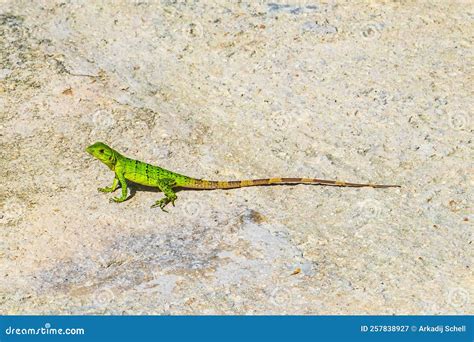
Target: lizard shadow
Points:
x,y
134,187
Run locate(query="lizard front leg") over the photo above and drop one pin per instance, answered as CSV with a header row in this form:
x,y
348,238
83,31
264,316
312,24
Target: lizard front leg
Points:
x,y
165,185
111,188
123,184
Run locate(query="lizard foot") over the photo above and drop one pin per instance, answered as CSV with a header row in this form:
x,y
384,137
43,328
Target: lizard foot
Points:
x,y
117,199
162,203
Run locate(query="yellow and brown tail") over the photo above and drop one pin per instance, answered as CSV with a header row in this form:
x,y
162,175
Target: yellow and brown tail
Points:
x,y
209,185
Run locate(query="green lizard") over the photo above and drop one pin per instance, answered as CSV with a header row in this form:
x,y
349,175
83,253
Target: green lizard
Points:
x,y
149,175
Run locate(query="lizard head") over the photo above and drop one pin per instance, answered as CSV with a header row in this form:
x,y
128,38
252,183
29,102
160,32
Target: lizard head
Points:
x,y
104,153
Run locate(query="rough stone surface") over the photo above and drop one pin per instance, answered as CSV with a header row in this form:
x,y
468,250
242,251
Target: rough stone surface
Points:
x,y
376,92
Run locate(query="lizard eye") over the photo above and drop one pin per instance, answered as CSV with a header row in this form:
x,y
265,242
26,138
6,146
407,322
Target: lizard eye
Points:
x,y
101,151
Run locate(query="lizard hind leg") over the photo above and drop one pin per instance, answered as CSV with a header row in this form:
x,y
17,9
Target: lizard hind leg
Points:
x,y
166,186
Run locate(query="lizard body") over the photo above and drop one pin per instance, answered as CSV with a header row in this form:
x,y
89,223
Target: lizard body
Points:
x,y
149,175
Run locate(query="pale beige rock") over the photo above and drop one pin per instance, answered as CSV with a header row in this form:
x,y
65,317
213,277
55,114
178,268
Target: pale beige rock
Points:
x,y
376,92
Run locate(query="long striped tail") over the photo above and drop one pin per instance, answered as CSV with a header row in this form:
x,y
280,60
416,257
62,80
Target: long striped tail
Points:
x,y
209,185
